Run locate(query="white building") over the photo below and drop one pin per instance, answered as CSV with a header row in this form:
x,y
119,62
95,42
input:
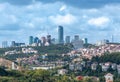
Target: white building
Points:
x,y
83,63
29,50
14,66
47,44
108,77
62,71
43,67
71,66
94,66
102,42
105,67
114,66
12,52
118,69
78,67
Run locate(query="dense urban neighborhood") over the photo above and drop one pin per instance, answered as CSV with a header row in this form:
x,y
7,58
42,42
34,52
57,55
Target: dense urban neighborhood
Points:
x,y
59,40
87,64
45,60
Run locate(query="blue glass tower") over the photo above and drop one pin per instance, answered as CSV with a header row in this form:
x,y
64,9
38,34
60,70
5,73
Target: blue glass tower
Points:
x,y
67,39
60,35
36,40
86,41
31,40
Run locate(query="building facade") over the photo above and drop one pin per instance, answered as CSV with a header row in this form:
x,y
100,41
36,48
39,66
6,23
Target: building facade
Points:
x,y
67,39
4,44
108,77
31,40
60,35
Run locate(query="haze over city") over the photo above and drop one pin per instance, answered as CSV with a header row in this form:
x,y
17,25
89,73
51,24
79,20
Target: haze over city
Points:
x,y
93,19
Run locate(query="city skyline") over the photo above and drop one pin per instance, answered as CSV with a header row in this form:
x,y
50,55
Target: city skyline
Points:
x,y
92,19
46,40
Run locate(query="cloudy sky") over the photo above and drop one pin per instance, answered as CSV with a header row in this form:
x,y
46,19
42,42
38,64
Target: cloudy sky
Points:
x,y
93,19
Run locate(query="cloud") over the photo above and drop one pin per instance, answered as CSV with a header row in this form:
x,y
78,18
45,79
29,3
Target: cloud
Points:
x,y
63,8
18,2
99,22
67,19
39,18
84,3
74,3
10,27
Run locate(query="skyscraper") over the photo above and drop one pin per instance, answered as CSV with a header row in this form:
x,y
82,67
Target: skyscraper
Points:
x,y
67,39
77,42
76,37
36,40
13,43
53,41
49,39
60,35
31,40
43,40
4,44
85,41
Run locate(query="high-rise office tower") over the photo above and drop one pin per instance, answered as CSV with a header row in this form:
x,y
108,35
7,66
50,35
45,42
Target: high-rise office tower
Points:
x,y
53,41
67,39
77,42
36,40
31,40
76,37
49,39
4,44
43,40
60,35
85,41
13,43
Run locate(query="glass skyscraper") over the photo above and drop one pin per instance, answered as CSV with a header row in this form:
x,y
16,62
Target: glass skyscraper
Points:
x,y
67,39
85,41
60,35
76,37
36,40
49,39
4,44
31,40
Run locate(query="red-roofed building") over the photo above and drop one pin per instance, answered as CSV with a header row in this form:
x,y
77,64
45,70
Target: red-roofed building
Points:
x,y
79,78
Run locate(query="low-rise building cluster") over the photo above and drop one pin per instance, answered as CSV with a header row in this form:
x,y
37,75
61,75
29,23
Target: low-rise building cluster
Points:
x,y
29,50
34,62
12,52
23,51
98,51
94,66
